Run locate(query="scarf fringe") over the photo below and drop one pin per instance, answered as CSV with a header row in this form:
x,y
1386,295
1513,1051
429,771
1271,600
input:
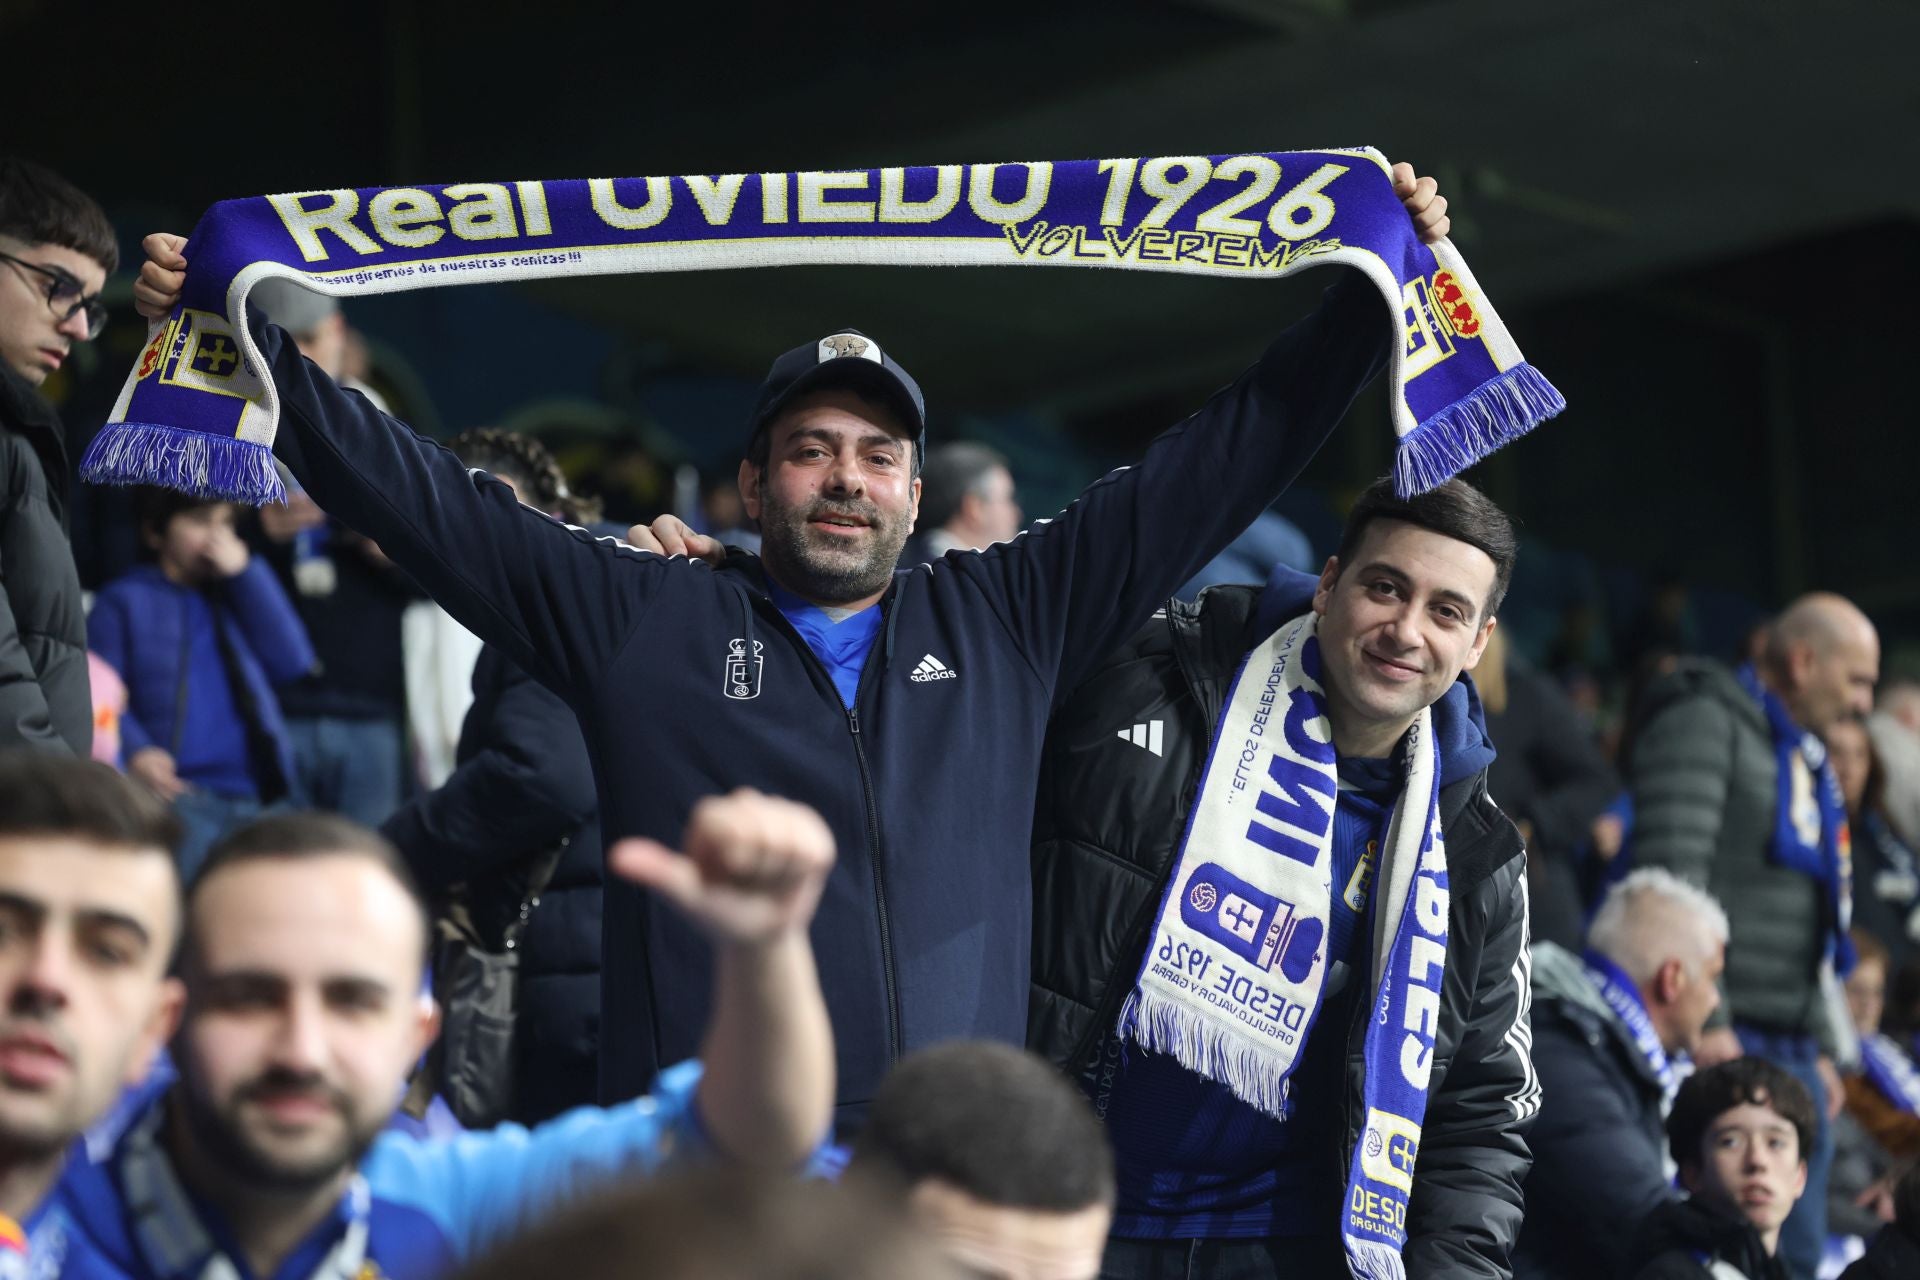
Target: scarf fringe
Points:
x,y
193,462
1372,1260
1161,1025
1495,413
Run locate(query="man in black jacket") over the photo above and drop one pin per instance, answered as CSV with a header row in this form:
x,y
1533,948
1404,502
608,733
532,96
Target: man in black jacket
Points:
x,y
1210,1184
56,251
908,709
1605,1030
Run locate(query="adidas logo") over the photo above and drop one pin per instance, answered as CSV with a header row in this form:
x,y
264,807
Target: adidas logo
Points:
x,y
931,668
1146,736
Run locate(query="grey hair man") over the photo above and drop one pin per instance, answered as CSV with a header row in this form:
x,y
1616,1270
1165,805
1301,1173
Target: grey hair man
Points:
x,y
1606,1028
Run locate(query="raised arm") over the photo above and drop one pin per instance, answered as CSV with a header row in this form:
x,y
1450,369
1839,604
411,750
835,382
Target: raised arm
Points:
x,y
554,598
751,876
1072,587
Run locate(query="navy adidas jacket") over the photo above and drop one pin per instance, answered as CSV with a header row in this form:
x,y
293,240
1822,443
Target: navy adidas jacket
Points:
x,y
688,681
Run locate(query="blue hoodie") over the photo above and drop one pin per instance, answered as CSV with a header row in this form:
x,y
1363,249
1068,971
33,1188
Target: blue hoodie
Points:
x,y
1195,1162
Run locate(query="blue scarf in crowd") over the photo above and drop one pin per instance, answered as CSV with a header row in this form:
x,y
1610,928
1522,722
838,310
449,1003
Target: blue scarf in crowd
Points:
x,y
1810,818
1891,1071
1623,997
1233,978
196,414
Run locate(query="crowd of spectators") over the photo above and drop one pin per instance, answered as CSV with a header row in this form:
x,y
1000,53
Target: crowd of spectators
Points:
x,y
366,944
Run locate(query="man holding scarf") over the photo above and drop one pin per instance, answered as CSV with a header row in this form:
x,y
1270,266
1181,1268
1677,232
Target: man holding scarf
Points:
x,y
1280,927
1732,793
908,709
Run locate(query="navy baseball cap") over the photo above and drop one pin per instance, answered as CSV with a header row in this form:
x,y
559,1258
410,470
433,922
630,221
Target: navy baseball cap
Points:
x,y
845,358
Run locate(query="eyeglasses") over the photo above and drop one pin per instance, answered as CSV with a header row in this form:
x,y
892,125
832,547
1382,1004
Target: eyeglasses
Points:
x,y
65,296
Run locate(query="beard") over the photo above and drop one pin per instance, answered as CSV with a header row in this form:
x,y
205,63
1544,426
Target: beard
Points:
x,y
239,1145
824,568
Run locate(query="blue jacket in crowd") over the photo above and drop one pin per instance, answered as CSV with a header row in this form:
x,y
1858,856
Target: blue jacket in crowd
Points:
x,y
159,635
417,1210
689,680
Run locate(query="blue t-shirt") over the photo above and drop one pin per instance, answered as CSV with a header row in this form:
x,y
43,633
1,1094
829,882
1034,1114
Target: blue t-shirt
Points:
x,y
1194,1161
842,646
426,1206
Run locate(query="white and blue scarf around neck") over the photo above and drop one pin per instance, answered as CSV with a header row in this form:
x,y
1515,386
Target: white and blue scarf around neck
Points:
x,y
1810,833
1233,979
175,1244
1622,995
1892,1072
196,414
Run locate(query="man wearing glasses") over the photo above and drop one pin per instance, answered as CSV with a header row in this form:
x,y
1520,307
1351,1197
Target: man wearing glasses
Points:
x,y
56,251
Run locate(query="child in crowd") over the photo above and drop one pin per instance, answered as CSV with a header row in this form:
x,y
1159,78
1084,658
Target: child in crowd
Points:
x,y
1739,1132
200,636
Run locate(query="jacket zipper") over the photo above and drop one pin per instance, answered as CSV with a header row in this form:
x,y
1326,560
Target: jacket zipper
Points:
x,y
895,1049
879,888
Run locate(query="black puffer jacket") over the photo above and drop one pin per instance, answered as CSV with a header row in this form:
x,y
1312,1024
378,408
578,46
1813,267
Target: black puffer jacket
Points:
x,y
1106,831
46,700
522,785
1599,1145
1674,1236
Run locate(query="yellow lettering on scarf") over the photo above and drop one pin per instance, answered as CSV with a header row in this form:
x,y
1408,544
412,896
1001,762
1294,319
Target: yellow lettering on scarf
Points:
x,y
1157,180
1220,219
1113,210
485,211
895,207
606,203
1305,198
716,196
403,216
533,208
773,197
992,209
814,205
305,225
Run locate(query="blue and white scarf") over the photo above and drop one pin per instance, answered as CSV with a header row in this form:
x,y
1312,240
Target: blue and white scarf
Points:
x,y
195,413
1810,832
176,1245
1623,997
1231,985
1891,1071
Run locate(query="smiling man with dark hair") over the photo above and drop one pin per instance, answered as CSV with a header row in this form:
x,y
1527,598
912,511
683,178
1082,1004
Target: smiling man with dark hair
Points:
x,y
907,707
1264,852
272,1157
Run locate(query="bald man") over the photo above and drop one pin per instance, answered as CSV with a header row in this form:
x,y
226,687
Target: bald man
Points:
x,y
1732,793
